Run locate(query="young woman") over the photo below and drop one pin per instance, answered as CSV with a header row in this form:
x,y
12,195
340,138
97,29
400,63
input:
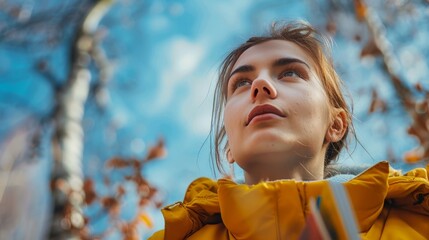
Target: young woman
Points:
x,y
280,115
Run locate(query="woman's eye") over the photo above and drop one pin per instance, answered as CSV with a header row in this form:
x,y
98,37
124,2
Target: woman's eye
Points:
x,y
242,83
289,74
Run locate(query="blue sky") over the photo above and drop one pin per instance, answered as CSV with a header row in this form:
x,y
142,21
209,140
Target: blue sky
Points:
x,y
165,56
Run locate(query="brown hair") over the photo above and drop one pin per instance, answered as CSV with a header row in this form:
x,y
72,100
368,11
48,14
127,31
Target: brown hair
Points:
x,y
313,43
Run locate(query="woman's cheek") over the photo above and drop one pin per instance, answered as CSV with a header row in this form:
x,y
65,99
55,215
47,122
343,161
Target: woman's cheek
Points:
x,y
229,119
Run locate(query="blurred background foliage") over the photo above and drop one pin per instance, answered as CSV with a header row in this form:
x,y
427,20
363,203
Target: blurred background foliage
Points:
x,y
105,105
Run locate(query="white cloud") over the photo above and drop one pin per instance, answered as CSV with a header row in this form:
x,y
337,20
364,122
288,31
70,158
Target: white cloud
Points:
x,y
182,59
196,106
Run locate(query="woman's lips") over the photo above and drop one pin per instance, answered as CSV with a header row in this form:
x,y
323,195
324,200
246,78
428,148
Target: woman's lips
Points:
x,y
264,112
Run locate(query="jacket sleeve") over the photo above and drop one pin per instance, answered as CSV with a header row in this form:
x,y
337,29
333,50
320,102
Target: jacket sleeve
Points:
x,y
199,207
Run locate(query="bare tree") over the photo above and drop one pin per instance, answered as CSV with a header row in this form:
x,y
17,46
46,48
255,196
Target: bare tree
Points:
x,y
360,21
67,177
417,109
48,28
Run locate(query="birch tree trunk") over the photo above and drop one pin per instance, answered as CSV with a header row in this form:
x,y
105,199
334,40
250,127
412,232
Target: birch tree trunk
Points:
x,y
67,141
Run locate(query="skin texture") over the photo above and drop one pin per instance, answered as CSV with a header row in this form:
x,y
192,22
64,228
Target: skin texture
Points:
x,y
292,142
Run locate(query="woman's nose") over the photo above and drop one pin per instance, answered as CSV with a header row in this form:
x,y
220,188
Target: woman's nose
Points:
x,y
263,87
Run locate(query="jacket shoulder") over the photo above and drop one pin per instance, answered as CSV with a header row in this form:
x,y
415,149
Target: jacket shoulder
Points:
x,y
199,207
157,235
409,191
200,187
406,211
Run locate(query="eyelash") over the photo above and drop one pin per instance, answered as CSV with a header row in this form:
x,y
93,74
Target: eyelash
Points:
x,y
281,75
240,80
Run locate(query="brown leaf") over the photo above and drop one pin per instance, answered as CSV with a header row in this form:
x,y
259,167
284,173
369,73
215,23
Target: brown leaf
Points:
x,y
157,151
129,231
88,188
137,179
370,49
111,204
376,103
419,126
411,130
418,86
121,191
136,164
144,190
118,163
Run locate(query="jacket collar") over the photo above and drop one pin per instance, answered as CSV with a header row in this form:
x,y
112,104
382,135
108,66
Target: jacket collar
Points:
x,y
278,206
281,206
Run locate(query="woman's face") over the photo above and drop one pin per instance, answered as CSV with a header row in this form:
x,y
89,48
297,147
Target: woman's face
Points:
x,y
276,114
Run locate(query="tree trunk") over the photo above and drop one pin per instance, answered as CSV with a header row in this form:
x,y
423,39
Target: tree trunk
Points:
x,y
67,141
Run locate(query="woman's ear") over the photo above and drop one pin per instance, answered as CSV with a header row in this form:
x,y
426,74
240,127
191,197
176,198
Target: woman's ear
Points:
x,y
229,156
338,126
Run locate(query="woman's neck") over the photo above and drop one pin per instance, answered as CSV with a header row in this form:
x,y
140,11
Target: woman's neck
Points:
x,y
307,171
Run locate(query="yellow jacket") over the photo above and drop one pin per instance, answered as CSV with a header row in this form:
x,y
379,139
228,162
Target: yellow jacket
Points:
x,y
388,205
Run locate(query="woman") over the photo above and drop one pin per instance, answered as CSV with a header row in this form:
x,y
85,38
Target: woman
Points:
x,y
281,116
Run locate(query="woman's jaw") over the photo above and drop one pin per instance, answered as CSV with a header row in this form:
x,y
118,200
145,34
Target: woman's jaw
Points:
x,y
271,166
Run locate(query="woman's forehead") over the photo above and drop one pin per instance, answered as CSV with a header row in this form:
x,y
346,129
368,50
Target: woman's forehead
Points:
x,y
266,52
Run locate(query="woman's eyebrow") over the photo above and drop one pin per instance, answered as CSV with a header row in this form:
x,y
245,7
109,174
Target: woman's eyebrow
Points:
x,y
244,68
285,61
278,63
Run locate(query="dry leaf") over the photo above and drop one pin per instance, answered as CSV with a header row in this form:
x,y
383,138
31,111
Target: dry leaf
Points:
x,y
129,231
414,156
88,188
111,204
118,163
370,49
418,86
360,9
144,190
144,218
376,103
157,151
